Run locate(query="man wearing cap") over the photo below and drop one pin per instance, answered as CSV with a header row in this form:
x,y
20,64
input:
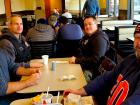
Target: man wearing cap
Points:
x,y
120,86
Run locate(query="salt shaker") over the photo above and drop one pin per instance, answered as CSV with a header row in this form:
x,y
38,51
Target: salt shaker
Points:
x,y
53,65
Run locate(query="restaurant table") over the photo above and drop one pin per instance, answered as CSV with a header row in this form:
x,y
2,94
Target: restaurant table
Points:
x,y
56,80
28,101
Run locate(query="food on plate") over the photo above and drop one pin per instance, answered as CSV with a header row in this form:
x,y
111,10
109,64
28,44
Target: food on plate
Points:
x,y
72,99
43,98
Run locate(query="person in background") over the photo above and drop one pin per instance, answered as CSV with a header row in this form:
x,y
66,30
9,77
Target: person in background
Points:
x,y
93,45
52,21
120,86
7,86
55,12
41,32
68,31
14,42
68,15
68,38
39,13
91,7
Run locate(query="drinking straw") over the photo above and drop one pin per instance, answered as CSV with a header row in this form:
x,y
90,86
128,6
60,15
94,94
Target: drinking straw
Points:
x,y
48,90
57,97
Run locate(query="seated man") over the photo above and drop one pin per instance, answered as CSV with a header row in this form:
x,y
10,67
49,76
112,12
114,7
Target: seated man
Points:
x,y
41,32
120,86
14,42
68,31
8,68
68,37
94,44
68,15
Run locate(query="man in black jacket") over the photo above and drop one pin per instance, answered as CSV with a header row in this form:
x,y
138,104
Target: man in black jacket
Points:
x,y
93,46
14,42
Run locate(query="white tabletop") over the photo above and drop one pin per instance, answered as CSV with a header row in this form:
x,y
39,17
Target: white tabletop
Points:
x,y
28,101
53,78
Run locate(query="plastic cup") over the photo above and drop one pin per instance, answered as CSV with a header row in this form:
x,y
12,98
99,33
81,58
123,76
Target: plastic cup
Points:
x,y
47,99
45,59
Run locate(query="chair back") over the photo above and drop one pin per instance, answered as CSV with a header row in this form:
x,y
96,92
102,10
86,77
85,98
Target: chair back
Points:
x,y
67,48
109,61
39,48
109,24
122,44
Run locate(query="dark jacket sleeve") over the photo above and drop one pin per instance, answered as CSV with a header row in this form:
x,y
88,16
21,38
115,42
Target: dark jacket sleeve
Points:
x,y
102,83
99,48
7,66
8,46
3,83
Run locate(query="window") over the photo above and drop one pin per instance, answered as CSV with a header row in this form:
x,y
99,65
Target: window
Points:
x,y
137,10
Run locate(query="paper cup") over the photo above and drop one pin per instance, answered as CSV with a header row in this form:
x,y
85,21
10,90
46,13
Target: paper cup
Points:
x,y
45,59
47,99
44,100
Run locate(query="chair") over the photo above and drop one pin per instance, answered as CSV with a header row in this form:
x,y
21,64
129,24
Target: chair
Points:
x,y
67,48
106,65
109,61
123,45
109,26
39,48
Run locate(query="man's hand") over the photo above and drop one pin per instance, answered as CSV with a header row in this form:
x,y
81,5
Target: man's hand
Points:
x,y
33,79
72,60
36,64
34,70
80,91
27,71
19,85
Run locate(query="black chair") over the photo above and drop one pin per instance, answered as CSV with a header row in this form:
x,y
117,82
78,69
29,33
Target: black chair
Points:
x,y
109,61
39,48
112,53
67,48
123,45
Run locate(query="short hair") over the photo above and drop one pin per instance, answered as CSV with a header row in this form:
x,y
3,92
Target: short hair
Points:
x,y
10,18
91,16
41,21
63,20
137,29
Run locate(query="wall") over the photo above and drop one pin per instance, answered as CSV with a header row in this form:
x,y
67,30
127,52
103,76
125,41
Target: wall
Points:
x,y
40,3
17,5
102,3
21,5
56,4
2,7
30,4
123,5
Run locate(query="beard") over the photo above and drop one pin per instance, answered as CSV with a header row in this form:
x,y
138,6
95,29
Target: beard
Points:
x,y
137,55
137,51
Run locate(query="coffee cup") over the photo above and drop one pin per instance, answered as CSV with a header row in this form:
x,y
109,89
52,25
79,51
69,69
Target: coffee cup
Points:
x,y
45,59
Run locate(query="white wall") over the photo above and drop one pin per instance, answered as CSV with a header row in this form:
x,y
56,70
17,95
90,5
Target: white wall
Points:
x,y
21,5
2,7
123,5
